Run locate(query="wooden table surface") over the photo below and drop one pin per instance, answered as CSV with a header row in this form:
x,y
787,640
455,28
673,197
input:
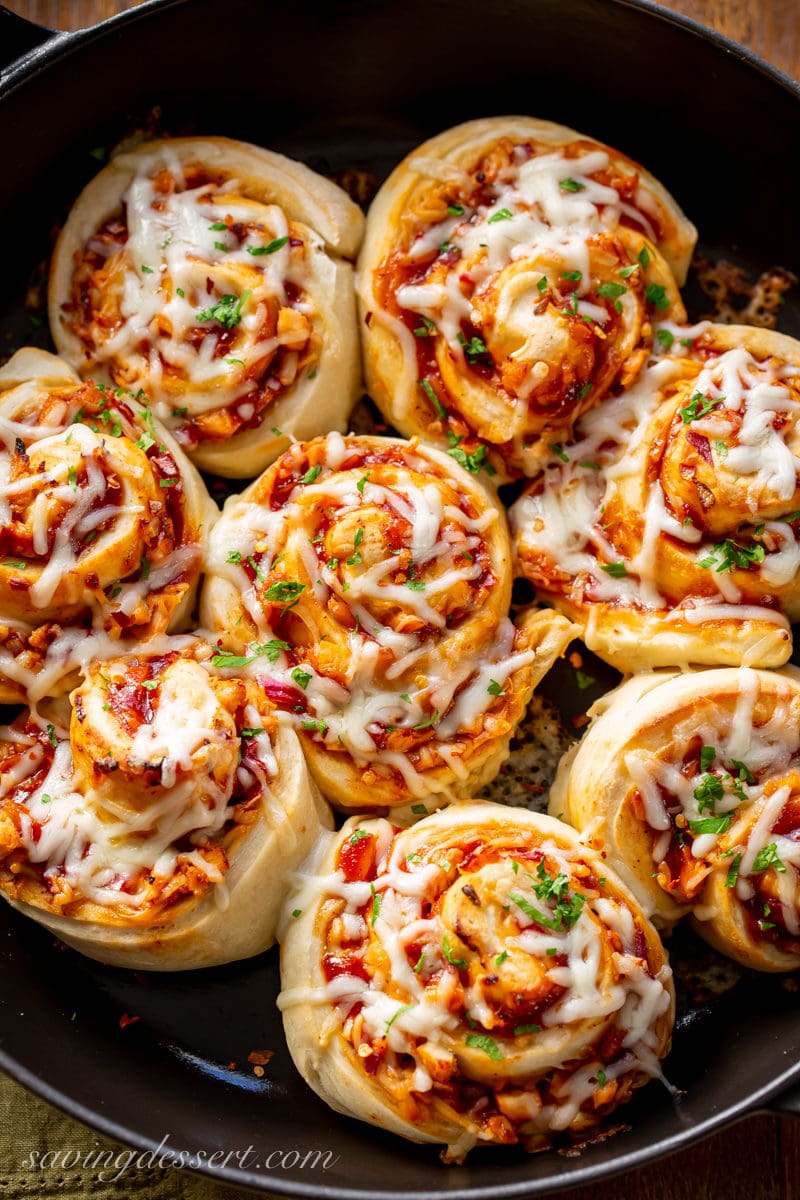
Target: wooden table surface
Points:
x,y
759,1159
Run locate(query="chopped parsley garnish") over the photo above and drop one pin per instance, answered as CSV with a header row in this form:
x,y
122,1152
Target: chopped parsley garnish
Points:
x,y
611,291
698,407
713,825
362,484
144,566
707,756
448,953
571,185
432,719
733,872
558,451
218,227
220,246
170,481
567,907
296,912
724,556
270,650
582,394
150,685
572,276
319,726
376,903
482,1041
357,836
426,329
583,680
542,284
428,389
251,732
656,293
626,272
403,1008
521,1030
286,592
302,678
420,961
665,338
456,210
227,311
602,1078
181,293
708,791
471,462
72,477
502,214
501,958
419,810
17,564
234,556
474,348
51,736
270,248
618,569
495,688
768,857
643,258
312,474
745,774
146,270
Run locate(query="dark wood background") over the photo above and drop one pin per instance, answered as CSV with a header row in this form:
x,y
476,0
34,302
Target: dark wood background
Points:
x,y
759,1159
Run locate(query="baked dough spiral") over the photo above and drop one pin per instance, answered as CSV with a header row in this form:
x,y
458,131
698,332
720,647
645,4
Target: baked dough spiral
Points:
x,y
157,830
104,519
478,977
370,579
669,529
690,785
511,273
214,275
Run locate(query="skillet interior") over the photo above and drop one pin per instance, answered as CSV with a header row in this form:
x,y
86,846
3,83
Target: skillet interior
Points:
x,y
338,86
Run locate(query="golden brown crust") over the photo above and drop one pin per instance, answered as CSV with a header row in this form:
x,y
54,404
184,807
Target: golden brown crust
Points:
x,y
689,784
245,307
453,1023
496,306
378,571
671,534
175,789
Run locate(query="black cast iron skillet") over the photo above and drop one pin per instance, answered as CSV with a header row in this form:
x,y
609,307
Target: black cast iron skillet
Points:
x,y
343,85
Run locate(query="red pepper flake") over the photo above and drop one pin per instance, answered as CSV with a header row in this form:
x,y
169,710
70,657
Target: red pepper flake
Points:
x,y
575,660
580,720
260,1057
126,1019
231,1065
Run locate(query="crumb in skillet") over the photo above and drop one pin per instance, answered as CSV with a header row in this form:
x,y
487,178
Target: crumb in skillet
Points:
x,y
525,777
737,301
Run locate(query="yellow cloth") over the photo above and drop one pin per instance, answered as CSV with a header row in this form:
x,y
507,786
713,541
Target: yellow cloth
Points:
x,y
33,1134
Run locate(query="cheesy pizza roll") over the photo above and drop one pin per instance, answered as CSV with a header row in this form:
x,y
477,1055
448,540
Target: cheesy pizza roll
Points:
x,y
511,273
156,830
104,519
214,275
669,529
368,579
481,977
690,784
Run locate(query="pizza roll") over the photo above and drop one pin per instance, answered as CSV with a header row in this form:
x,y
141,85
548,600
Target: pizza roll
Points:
x,y
104,519
370,578
690,785
669,529
479,977
214,275
157,830
511,273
